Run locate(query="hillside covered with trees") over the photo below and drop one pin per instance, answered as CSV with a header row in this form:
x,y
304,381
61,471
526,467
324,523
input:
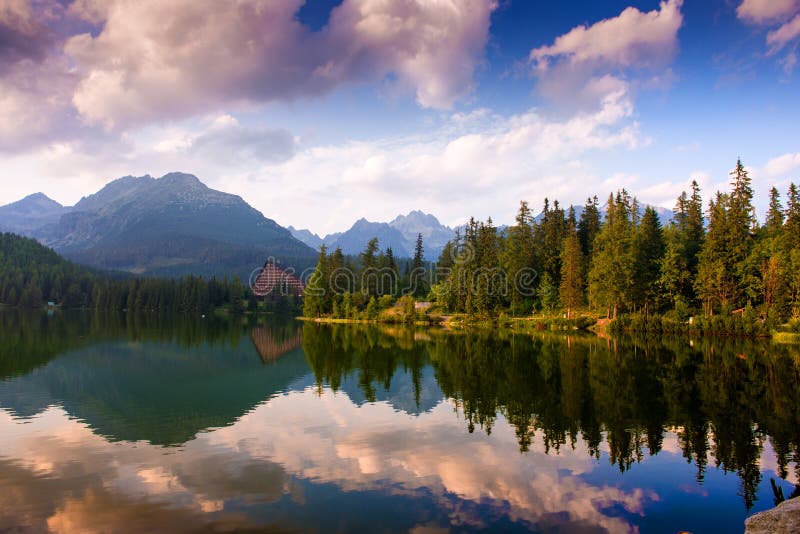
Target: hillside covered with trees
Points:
x,y
32,275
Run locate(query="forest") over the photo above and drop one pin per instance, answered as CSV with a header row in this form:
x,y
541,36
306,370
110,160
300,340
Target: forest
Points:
x,y
709,260
32,275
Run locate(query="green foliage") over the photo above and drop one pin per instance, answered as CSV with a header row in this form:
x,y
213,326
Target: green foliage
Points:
x,y
625,263
32,275
371,313
611,276
571,289
745,325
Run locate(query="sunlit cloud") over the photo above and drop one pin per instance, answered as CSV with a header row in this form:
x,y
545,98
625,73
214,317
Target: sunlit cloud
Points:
x,y
591,61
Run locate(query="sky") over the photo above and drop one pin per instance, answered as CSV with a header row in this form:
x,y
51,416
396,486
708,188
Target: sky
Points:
x,y
318,113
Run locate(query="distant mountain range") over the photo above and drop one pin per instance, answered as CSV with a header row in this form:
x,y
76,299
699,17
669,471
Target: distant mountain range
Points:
x,y
399,234
168,226
176,225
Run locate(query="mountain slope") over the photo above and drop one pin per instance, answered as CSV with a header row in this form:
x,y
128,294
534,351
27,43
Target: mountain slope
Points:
x,y
306,236
171,226
400,234
434,234
355,239
24,216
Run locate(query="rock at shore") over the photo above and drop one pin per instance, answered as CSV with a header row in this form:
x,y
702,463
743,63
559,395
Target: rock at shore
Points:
x,y
784,518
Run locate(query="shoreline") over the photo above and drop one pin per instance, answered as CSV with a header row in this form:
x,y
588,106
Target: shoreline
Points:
x,y
599,326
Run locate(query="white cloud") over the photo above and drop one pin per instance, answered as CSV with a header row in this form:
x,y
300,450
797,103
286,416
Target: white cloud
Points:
x,y
483,172
784,18
782,166
765,11
478,164
602,53
121,63
156,60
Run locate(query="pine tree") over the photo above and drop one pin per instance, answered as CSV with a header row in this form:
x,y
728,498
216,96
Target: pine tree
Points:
x,y
716,282
517,258
675,281
792,228
369,264
548,238
420,285
317,290
391,264
774,222
488,284
589,226
571,289
648,250
611,273
742,227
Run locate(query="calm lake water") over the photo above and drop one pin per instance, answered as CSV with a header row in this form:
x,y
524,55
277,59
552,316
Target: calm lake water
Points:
x,y
142,424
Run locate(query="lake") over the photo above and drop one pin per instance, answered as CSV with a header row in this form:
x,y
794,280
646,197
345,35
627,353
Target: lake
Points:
x,y
150,424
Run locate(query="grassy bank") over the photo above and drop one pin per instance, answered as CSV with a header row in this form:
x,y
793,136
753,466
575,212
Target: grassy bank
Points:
x,y
718,325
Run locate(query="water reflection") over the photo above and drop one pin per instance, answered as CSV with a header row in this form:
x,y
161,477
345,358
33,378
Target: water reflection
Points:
x,y
119,424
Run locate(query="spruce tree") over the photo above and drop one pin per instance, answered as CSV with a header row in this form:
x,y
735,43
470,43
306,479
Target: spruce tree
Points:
x,y
648,250
571,288
418,271
611,273
774,222
517,258
317,290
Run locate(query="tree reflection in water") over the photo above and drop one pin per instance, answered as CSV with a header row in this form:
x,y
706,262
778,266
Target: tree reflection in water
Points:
x,y
722,397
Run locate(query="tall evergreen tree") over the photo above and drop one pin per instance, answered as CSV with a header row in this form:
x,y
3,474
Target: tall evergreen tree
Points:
x,y
418,269
518,258
774,222
571,289
488,284
317,290
648,251
716,282
612,271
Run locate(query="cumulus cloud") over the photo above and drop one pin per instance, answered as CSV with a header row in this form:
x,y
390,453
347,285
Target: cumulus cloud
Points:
x,y
35,104
591,60
480,165
157,59
783,17
23,33
124,63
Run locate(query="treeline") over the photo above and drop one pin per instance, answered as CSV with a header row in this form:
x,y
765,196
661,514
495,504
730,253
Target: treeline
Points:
x,y
359,288
711,260
714,261
32,275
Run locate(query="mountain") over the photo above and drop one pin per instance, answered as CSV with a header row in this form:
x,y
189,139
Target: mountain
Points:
x,y
170,226
33,211
435,235
306,236
400,234
355,239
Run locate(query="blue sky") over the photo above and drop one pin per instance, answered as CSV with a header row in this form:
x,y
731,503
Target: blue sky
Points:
x,y
321,112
